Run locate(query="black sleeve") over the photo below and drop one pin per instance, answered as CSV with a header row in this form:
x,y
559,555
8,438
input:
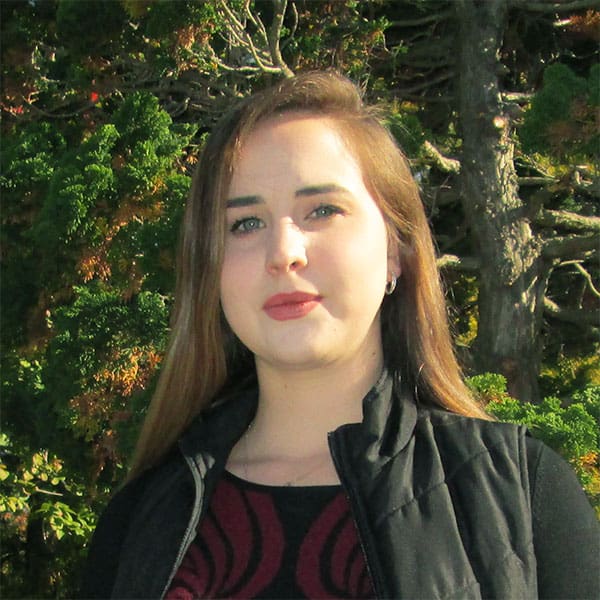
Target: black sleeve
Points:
x,y
566,531
105,548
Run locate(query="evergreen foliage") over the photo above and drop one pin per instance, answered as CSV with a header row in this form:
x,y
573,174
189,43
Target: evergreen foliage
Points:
x,y
563,116
570,426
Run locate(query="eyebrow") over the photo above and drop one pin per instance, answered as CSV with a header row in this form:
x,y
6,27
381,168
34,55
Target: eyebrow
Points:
x,y
243,201
327,188
311,190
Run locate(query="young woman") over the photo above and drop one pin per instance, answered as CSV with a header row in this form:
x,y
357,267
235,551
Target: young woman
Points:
x,y
311,435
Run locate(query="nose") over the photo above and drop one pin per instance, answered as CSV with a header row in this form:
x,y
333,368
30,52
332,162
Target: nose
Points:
x,y
287,249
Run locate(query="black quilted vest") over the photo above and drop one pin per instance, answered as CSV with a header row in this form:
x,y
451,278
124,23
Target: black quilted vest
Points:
x,y
441,501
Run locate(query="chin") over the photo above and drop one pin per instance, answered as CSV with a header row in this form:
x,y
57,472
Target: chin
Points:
x,y
297,357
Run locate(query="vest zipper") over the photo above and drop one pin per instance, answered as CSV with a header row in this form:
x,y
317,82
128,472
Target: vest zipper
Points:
x,y
355,508
357,511
190,532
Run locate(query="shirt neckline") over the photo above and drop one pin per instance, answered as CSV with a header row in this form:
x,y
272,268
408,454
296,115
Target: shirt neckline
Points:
x,y
290,489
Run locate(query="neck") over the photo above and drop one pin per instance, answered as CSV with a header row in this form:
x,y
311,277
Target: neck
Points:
x,y
297,408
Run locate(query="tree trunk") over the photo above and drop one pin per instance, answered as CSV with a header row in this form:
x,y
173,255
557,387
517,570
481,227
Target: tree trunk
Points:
x,y
513,276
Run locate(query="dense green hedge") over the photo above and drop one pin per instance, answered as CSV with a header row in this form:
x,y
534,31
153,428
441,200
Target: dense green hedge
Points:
x,y
568,426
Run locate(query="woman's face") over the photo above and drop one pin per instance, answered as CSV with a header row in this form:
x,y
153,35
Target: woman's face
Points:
x,y
306,257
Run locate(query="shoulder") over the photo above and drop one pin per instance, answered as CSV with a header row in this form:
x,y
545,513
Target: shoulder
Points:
x,y
128,497
544,473
566,532
463,437
444,419
114,524
554,484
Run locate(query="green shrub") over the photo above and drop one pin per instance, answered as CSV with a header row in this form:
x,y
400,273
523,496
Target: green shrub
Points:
x,y
569,426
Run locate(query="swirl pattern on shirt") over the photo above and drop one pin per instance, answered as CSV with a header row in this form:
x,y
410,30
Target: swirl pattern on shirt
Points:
x,y
273,542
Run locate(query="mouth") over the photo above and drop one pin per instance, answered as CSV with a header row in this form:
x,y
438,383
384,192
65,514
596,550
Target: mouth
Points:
x,y
283,307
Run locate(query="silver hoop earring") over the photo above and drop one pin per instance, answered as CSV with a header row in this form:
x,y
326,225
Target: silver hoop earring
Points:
x,y
390,286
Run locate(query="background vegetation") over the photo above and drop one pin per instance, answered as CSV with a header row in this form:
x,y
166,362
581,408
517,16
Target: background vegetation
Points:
x,y
105,106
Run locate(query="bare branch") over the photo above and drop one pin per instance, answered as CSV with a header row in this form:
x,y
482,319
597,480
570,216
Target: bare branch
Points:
x,y
433,18
578,317
274,37
235,26
53,115
228,68
48,492
257,22
570,246
431,63
566,219
293,28
577,264
263,67
550,186
535,181
268,59
444,164
589,280
441,99
426,84
426,54
556,7
516,96
457,263
591,189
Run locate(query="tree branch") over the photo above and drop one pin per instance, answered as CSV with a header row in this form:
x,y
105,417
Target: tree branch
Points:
x,y
274,37
444,164
267,59
441,99
51,115
434,18
457,263
554,7
566,219
421,86
578,317
235,27
535,181
424,54
588,278
516,96
48,492
293,28
569,246
257,21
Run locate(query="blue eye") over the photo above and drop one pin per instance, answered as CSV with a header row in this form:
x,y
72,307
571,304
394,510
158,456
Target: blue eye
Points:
x,y
325,210
246,225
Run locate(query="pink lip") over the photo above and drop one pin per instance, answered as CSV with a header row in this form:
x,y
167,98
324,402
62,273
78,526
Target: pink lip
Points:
x,y
283,307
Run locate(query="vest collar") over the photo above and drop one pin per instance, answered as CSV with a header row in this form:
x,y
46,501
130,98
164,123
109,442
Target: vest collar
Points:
x,y
389,419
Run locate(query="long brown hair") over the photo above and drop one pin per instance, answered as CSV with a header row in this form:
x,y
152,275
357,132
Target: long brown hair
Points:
x,y
204,356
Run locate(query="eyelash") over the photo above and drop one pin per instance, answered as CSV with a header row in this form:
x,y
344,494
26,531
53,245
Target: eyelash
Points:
x,y
332,210
239,227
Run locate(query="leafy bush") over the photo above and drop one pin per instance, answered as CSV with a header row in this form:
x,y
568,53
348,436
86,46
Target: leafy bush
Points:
x,y
44,511
569,426
561,119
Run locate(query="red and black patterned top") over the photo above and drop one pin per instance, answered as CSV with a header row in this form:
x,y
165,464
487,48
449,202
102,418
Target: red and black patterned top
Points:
x,y
260,541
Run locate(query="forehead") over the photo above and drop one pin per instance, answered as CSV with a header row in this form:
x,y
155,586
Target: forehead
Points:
x,y
294,149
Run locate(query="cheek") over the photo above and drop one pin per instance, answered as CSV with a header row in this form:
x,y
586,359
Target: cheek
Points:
x,y
362,255
232,308
228,284
238,283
